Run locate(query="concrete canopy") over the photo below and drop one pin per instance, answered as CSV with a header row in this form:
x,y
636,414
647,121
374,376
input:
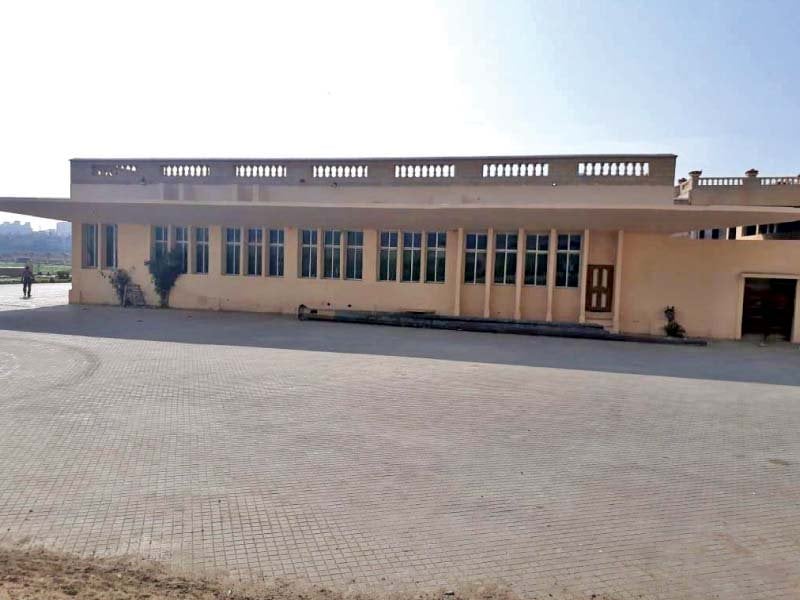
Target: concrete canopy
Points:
x,y
644,218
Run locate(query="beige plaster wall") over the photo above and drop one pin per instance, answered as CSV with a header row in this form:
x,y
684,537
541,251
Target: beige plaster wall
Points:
x,y
701,278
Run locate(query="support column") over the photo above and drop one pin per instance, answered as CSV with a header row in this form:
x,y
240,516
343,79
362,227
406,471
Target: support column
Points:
x,y
520,274
795,339
423,263
616,299
291,252
320,253
552,245
584,273
487,290
100,240
459,274
342,254
399,262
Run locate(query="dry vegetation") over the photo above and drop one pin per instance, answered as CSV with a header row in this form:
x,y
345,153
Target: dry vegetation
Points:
x,y
35,573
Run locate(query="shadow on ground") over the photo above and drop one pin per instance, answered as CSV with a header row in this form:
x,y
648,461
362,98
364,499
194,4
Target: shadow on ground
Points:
x,y
777,363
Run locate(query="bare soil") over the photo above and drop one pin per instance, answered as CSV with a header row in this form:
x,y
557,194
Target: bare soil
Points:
x,y
37,574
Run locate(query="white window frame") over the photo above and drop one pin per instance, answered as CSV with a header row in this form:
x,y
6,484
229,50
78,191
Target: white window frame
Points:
x,y
236,246
436,249
183,243
473,280
571,255
414,250
313,247
534,254
335,246
279,248
201,243
503,254
159,241
255,249
358,253
391,265
86,252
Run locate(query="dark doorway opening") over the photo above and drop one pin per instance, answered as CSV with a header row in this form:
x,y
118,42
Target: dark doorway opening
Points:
x,y
768,306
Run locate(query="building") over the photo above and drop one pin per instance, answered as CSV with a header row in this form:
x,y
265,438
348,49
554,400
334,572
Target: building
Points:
x,y
601,238
63,229
15,228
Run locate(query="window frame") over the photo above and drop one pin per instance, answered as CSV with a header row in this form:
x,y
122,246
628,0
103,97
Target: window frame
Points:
x,y
533,256
255,252
113,263
89,258
234,245
161,244
183,243
278,248
508,251
385,250
570,255
355,249
335,249
437,250
415,254
313,250
201,249
475,252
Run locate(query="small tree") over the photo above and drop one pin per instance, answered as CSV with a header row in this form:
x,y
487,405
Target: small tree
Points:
x,y
119,280
164,271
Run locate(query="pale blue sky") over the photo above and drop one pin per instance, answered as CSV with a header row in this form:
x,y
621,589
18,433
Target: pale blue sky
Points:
x,y
717,83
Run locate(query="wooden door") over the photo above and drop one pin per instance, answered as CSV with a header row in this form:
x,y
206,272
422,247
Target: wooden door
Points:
x,y
599,288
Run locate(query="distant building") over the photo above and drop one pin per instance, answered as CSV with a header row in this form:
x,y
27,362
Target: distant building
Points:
x,y
15,228
63,229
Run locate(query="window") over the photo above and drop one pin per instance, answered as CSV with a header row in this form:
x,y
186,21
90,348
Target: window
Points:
x,y
110,257
331,257
435,257
568,260
750,229
475,258
387,259
505,257
731,233
201,250
412,253
715,234
89,236
233,250
255,246
182,245
161,240
354,258
536,247
276,252
308,254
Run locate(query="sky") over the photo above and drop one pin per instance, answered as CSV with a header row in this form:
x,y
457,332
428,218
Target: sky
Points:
x,y
714,82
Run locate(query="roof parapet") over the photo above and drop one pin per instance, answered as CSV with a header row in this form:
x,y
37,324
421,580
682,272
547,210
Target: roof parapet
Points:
x,y
648,169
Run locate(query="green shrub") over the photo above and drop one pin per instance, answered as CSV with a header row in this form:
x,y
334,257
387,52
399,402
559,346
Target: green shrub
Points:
x,y
119,280
164,271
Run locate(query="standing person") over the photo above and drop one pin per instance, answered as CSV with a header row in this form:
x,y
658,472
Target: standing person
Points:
x,y
27,281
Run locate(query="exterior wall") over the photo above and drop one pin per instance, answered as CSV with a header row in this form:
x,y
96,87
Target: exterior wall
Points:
x,y
701,278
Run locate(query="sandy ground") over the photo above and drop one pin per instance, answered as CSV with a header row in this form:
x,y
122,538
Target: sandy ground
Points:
x,y
35,573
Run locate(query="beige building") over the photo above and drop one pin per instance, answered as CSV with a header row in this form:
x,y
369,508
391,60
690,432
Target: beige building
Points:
x,y
604,239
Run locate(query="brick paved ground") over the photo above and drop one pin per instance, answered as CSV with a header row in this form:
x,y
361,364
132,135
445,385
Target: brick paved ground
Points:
x,y
335,452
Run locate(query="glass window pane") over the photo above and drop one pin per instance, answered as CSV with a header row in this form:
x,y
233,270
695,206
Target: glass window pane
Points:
x,y
561,269
482,241
469,267
575,242
563,241
480,266
541,269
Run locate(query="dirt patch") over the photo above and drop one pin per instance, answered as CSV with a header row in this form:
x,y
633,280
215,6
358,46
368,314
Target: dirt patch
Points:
x,y
38,574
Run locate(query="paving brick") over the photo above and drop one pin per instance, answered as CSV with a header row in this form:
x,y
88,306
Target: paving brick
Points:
x,y
270,447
